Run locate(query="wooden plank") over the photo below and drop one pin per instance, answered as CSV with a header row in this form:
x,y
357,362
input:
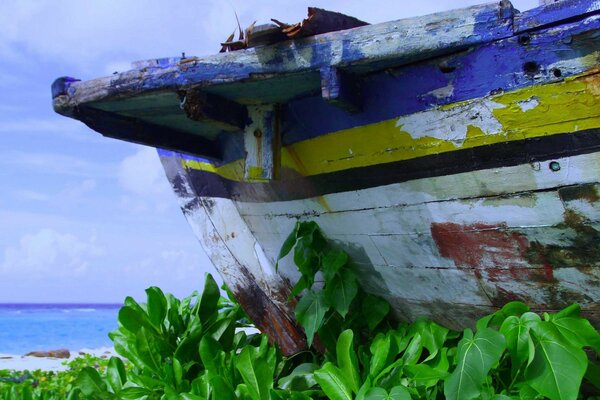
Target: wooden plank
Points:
x,y
402,41
487,183
262,144
554,12
215,110
138,131
525,210
340,89
239,259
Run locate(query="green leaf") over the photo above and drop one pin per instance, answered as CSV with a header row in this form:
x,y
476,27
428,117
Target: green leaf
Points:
x,y
147,351
476,356
221,389
578,331
115,374
346,359
376,393
557,368
333,382
310,312
289,243
209,299
432,335
514,308
340,292
397,393
305,258
374,309
90,382
380,349
518,340
134,393
307,228
157,306
299,287
256,373
190,396
301,378
177,371
209,352
133,319
332,262
423,374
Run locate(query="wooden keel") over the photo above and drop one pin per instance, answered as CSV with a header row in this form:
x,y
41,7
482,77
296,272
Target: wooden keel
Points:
x,y
239,259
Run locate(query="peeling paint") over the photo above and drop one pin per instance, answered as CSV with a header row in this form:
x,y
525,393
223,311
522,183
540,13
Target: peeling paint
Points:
x,y
528,104
443,92
452,124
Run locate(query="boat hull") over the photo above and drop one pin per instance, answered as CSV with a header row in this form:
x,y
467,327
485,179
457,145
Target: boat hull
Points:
x,y
477,212
454,156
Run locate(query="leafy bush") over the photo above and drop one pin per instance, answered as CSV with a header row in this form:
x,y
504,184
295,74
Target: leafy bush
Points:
x,y
197,348
514,353
47,385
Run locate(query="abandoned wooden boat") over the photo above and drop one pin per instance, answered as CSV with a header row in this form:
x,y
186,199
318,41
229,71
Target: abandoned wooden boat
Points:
x,y
455,156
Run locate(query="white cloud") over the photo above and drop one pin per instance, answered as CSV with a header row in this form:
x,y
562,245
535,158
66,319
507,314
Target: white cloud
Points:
x,y
77,190
51,125
172,267
142,176
31,195
54,163
49,253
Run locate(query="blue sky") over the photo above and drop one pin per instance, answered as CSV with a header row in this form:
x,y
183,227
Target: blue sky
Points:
x,y
84,218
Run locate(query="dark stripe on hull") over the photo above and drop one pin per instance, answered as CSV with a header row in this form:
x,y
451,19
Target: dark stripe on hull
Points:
x,y
291,186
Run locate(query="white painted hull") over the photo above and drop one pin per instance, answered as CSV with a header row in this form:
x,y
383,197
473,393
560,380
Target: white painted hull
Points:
x,y
389,232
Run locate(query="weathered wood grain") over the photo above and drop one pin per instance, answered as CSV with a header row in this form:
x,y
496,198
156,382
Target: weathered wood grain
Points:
x,y
240,260
402,41
554,12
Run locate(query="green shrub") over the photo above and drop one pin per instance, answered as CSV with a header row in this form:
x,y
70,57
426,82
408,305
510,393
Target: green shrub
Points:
x,y
197,349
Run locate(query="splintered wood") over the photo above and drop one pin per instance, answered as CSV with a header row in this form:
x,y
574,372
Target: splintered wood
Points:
x,y
318,21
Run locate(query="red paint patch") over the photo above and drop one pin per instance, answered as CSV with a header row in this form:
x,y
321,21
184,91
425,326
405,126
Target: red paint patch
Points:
x,y
491,249
480,246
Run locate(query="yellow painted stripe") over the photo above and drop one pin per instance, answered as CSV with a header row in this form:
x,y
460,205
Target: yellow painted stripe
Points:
x,y
536,111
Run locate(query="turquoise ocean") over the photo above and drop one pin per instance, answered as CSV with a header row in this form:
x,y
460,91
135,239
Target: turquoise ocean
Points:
x,y
30,327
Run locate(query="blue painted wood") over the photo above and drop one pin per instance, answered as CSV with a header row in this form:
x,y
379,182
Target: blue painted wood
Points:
x,y
497,66
395,43
554,13
340,89
493,67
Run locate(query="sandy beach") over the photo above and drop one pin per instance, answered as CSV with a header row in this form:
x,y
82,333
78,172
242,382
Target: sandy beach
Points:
x,y
22,363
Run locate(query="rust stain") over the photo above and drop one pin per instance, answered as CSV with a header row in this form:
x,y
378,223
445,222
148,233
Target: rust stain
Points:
x,y
581,252
585,192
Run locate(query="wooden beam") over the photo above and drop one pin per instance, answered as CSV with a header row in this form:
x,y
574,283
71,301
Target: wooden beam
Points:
x,y
218,111
340,89
137,131
553,12
262,144
390,43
